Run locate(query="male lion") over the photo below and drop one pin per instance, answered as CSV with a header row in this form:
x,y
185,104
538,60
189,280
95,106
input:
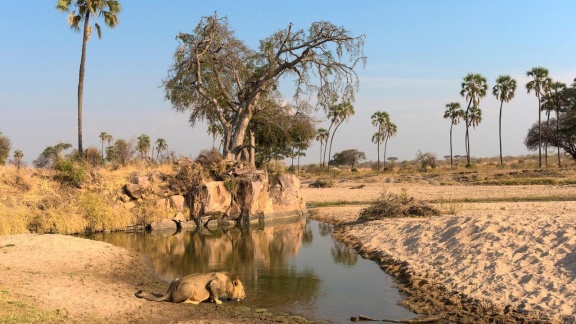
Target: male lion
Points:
x,y
198,287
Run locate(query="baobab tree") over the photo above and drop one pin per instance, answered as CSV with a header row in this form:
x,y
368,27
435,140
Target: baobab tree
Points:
x,y
87,12
504,92
455,114
217,78
474,88
539,84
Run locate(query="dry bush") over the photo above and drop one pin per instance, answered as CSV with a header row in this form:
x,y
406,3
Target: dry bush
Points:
x,y
322,183
92,156
213,161
391,205
99,215
190,175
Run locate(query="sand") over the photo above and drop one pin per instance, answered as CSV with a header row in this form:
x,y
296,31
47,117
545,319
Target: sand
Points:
x,y
513,260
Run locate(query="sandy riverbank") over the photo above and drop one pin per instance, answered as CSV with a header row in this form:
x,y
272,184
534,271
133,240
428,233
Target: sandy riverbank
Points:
x,y
488,261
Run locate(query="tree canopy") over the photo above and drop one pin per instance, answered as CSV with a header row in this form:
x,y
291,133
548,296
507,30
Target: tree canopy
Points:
x,y
5,147
348,157
217,78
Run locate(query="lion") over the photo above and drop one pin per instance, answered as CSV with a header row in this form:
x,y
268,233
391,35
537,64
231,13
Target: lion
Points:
x,y
198,287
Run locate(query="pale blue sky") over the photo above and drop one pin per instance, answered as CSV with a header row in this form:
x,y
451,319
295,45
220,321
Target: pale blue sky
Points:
x,y
418,52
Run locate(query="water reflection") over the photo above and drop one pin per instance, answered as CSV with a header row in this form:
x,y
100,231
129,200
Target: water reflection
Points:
x,y
296,267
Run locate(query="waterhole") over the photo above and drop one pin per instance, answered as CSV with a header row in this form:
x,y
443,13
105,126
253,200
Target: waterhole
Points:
x,y
296,268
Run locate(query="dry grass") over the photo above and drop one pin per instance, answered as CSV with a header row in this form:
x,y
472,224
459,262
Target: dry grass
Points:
x,y
392,205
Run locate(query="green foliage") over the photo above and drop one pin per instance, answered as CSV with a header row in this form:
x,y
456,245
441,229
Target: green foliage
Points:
x,y
51,155
69,172
99,215
391,205
348,157
5,147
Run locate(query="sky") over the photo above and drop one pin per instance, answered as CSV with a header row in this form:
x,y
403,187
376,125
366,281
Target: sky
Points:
x,y
417,55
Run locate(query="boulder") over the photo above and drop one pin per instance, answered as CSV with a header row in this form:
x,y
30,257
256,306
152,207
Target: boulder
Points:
x,y
163,224
134,190
176,202
211,198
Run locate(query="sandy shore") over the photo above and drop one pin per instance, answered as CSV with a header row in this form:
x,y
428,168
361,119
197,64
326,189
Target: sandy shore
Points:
x,y
487,261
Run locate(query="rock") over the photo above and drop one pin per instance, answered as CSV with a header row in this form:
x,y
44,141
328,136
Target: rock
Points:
x,y
134,190
189,225
143,182
162,204
124,198
212,225
211,198
129,205
165,223
179,217
133,179
156,176
176,202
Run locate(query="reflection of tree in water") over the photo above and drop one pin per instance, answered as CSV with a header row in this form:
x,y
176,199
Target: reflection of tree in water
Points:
x,y
325,228
307,235
342,254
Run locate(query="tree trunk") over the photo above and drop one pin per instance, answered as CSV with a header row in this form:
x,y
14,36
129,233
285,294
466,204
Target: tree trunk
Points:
x,y
385,146
500,131
252,157
539,133
331,140
546,142
467,138
451,160
558,136
378,155
240,127
326,145
81,81
320,155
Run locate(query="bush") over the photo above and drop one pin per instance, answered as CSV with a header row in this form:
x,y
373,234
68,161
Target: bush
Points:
x,y
391,205
100,216
322,183
69,172
92,156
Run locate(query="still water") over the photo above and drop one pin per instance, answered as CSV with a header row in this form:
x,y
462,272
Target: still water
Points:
x,y
297,268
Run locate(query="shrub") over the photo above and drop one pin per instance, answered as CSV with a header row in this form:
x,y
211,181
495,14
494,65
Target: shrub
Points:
x,y
100,216
322,183
69,172
391,205
92,156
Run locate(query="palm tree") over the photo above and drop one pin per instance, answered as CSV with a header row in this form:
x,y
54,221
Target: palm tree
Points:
x,y
389,129
379,118
558,101
143,145
102,137
18,155
378,138
455,113
161,145
341,113
109,139
87,12
322,136
215,130
474,118
474,88
503,91
539,83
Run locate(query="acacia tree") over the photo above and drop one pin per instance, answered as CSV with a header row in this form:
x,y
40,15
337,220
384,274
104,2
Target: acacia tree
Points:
x,y
474,88
539,84
87,12
216,77
322,137
348,157
503,91
455,113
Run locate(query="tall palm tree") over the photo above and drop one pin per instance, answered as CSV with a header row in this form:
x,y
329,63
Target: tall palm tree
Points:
x,y
539,84
503,91
215,130
455,113
379,118
18,155
378,138
389,129
87,12
143,145
474,88
109,139
558,101
102,137
474,118
322,136
341,113
161,145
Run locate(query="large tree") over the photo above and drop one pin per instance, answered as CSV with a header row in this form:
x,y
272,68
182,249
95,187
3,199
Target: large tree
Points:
x,y
348,157
216,77
102,137
161,146
389,130
143,145
86,13
5,147
504,92
539,84
557,99
455,114
473,89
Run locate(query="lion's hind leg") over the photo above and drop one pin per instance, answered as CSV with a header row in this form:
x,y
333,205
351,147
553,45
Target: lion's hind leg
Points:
x,y
215,288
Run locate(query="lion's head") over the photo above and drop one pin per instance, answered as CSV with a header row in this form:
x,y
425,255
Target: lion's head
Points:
x,y
236,291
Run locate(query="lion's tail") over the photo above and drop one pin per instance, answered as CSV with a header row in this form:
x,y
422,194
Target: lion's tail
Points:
x,y
150,297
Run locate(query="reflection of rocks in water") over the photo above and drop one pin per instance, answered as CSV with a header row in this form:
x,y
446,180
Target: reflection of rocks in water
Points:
x,y
325,228
342,254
